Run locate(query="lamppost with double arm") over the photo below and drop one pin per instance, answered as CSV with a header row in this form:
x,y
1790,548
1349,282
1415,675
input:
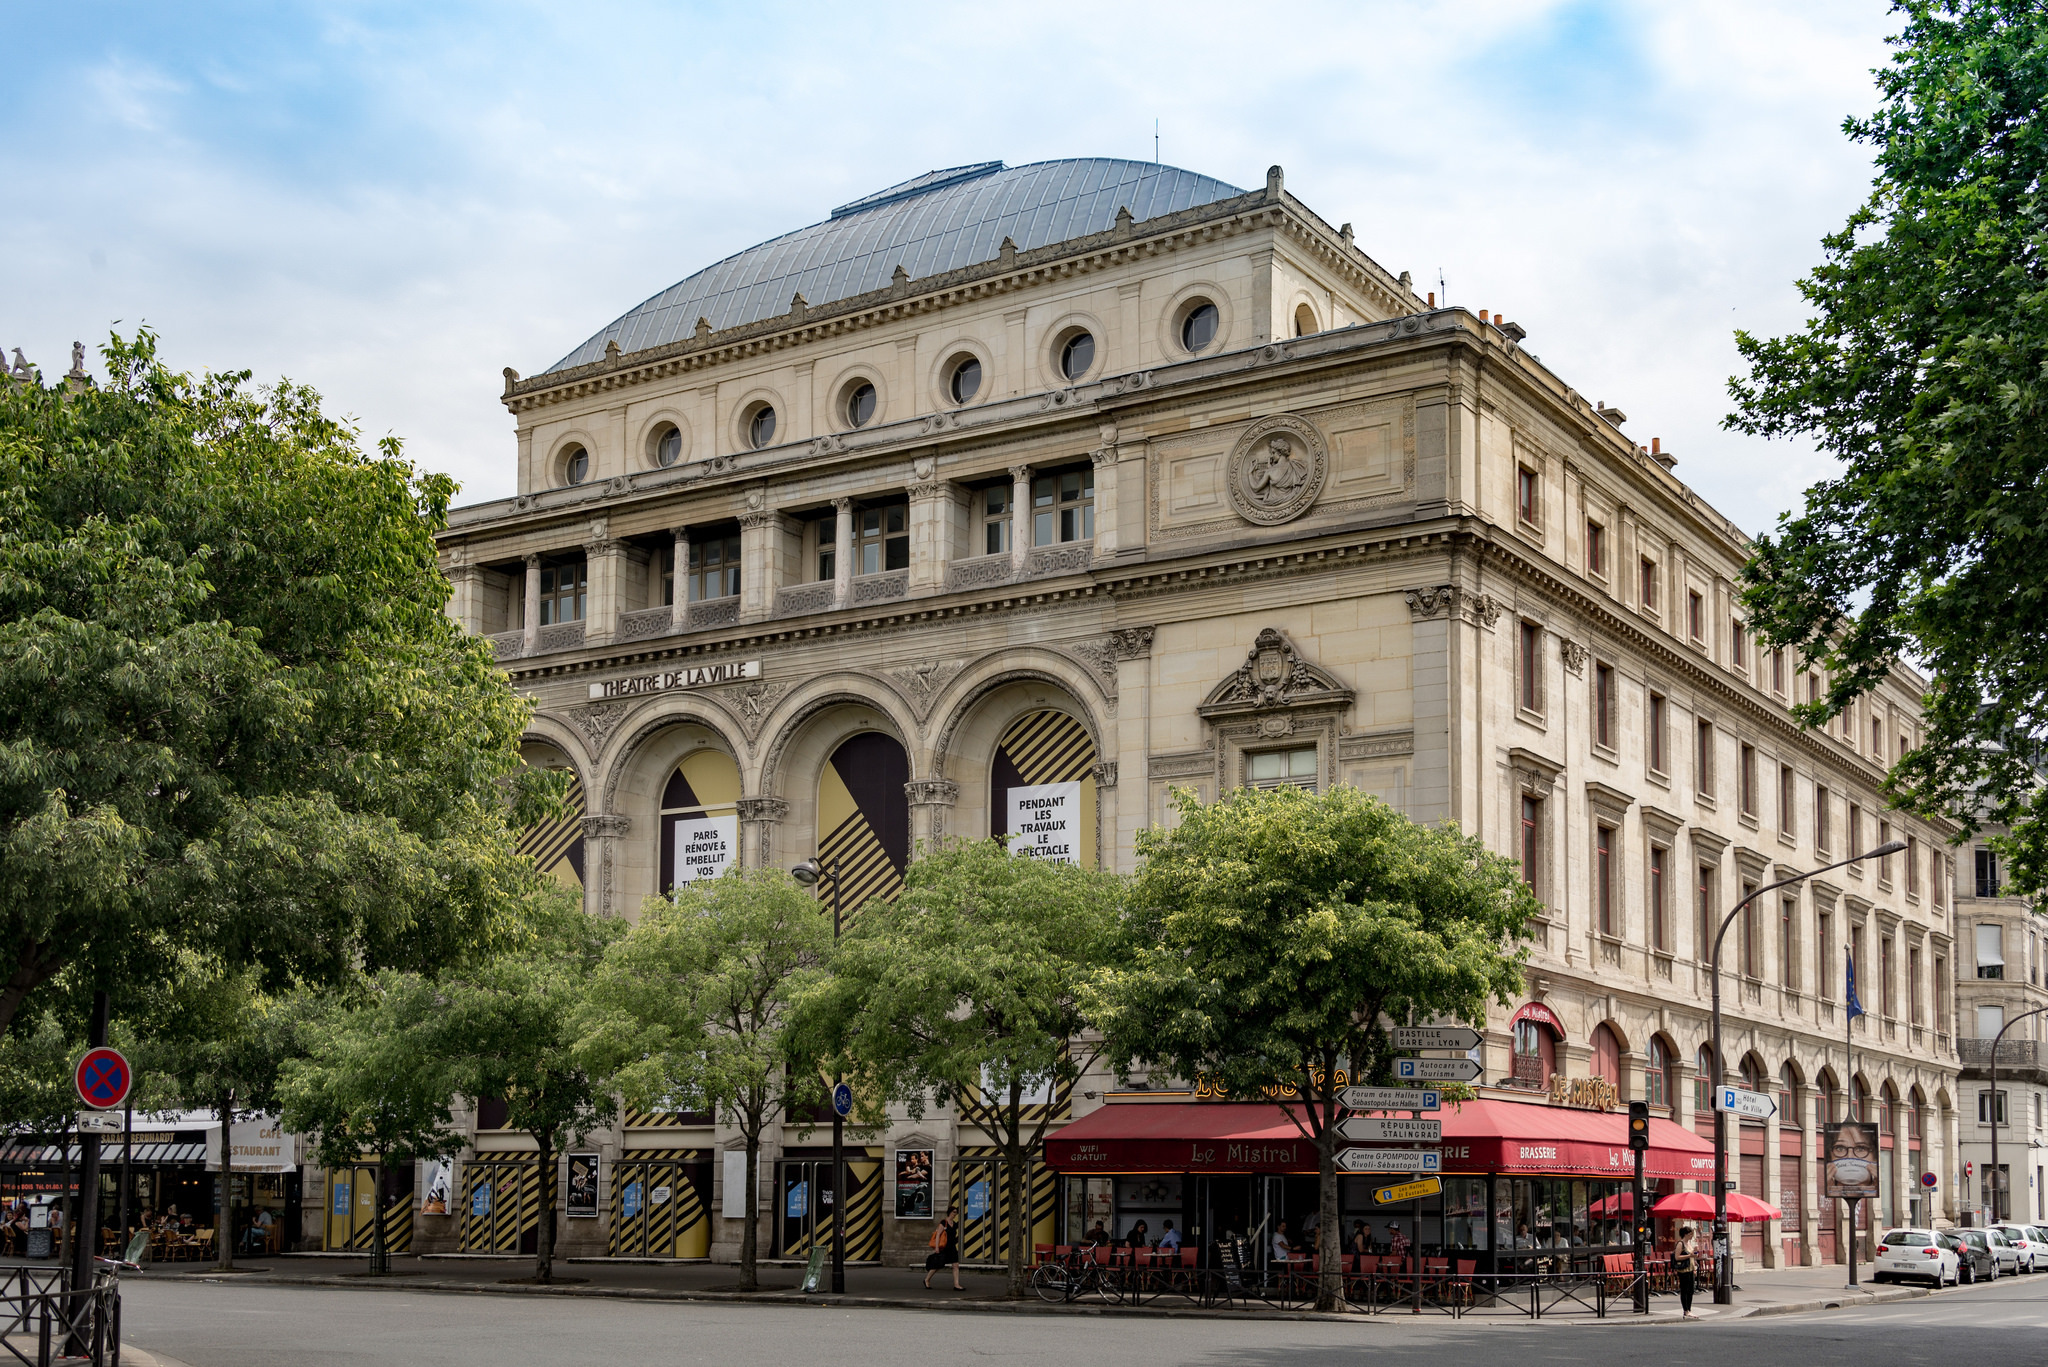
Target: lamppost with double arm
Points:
x,y
1724,1270
1997,1207
809,873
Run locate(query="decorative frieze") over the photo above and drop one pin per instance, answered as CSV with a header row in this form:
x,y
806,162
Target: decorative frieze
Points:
x,y
1132,643
1480,609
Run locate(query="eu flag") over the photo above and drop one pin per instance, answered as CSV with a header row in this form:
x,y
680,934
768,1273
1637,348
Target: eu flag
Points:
x,y
1855,1007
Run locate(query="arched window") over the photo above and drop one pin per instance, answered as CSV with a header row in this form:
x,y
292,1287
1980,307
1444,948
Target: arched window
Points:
x,y
1704,1077
1657,1073
1753,1080
1535,1053
1862,1111
1788,1098
1606,1054
1304,321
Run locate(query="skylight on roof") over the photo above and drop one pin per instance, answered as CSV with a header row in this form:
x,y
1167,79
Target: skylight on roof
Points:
x,y
917,185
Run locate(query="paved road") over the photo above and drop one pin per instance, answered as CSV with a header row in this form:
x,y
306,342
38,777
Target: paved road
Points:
x,y
251,1325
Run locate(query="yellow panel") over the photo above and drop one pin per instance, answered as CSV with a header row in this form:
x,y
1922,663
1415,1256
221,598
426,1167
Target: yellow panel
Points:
x,y
848,839
1052,747
714,777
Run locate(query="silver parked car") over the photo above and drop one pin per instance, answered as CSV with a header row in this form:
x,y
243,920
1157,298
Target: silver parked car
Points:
x,y
2026,1243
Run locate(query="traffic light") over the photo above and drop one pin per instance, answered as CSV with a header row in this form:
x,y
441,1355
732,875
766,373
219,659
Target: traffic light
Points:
x,y
1639,1125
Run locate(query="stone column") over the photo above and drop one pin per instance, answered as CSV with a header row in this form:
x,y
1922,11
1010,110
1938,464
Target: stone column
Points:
x,y
679,609
931,530
759,817
761,566
1774,1230
1130,511
531,624
1104,459
604,561
842,553
465,604
930,800
601,834
1020,518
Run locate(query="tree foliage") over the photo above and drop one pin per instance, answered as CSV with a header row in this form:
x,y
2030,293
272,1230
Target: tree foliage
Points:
x,y
1924,371
234,719
692,1008
1273,936
968,988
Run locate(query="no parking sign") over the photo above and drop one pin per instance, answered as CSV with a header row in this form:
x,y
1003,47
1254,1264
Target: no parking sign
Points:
x,y
103,1078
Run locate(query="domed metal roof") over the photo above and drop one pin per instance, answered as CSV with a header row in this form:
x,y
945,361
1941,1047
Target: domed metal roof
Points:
x,y
939,221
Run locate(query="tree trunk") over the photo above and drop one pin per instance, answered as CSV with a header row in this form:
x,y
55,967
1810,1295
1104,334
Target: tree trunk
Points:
x,y
1015,1158
750,1233
544,1256
378,1260
1329,1228
224,1227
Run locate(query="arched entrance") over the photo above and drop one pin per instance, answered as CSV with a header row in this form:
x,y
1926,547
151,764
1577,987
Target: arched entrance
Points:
x,y
700,824
556,847
864,817
1042,787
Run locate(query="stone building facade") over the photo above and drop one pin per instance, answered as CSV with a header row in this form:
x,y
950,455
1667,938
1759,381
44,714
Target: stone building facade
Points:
x,y
1105,479
2001,982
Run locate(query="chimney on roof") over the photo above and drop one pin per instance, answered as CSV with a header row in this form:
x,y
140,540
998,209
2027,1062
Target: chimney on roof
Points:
x,y
1432,298
1515,332
1613,415
1660,455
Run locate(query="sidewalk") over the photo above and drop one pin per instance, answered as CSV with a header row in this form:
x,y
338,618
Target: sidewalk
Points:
x,y
1773,1292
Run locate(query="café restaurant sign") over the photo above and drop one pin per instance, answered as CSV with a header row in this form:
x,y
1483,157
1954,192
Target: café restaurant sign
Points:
x,y
1586,1093
662,681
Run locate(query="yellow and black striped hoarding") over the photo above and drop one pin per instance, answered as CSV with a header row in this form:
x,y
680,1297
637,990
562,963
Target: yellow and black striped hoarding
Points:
x,y
500,1204
556,847
660,1204
978,1191
351,1196
864,814
1037,750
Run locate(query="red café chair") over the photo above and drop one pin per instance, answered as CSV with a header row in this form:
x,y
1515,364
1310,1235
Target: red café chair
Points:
x,y
1461,1283
1040,1253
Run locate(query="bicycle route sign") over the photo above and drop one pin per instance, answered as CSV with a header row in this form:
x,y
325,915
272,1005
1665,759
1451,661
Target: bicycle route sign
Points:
x,y
103,1078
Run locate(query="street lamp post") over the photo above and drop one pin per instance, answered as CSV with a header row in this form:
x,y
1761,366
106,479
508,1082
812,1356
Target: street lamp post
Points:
x,y
809,873
1997,1211
1724,1266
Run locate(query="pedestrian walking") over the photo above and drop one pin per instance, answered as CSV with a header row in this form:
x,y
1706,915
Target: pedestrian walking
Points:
x,y
945,1250
1683,1262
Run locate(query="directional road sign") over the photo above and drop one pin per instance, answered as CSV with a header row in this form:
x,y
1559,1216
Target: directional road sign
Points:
x,y
1408,1191
1390,1160
1740,1101
842,1099
1391,1099
1435,1069
1362,1129
98,1122
1457,1037
103,1078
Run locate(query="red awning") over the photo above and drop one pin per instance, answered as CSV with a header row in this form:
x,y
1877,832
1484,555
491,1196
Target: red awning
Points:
x,y
1479,1136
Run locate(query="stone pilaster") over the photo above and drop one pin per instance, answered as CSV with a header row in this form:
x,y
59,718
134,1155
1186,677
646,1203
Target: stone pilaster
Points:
x,y
842,552
1020,517
679,578
759,816
531,624
930,800
931,530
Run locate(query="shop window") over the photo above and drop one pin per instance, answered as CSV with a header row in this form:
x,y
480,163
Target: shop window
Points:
x,y
714,568
1294,768
882,538
564,590
995,520
1063,507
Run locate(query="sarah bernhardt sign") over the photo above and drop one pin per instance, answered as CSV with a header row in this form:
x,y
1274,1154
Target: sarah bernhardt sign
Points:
x,y
703,676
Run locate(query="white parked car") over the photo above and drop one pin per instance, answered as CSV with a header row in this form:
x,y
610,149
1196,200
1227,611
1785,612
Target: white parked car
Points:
x,y
2003,1249
2026,1243
1916,1255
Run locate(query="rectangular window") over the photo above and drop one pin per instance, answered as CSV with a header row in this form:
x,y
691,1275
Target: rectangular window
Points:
x,y
1877,740
1855,833
1703,913
1532,843
1987,872
1660,921
1912,866
1940,994
1525,494
1938,878
1788,944
1913,985
828,547
714,568
995,520
1886,987
1658,763
1603,877
1750,945
1788,812
1823,835
1603,705
1063,507
1596,549
1703,757
1986,1104
1695,617
1884,865
1532,667
1294,768
1745,781
1778,671
1738,645
1990,951
1649,585
882,538
1824,946
564,590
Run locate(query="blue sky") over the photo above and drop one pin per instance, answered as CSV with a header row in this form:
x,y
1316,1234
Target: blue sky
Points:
x,y
392,202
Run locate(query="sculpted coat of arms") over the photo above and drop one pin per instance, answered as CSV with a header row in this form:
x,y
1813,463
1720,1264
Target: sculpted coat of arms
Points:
x,y
1277,469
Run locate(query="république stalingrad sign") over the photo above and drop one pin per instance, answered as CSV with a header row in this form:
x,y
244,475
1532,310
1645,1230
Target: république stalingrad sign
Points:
x,y
702,676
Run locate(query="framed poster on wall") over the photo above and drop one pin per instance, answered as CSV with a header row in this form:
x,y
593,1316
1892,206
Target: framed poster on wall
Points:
x,y
914,1184
582,1200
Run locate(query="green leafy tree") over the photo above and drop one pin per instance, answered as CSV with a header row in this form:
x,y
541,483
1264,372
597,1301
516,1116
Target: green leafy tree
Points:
x,y
372,1080
36,1093
1272,937
968,988
694,1005
234,719
1924,372
509,1030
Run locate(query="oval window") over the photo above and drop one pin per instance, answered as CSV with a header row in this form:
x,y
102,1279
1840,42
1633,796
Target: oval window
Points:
x,y
966,381
761,427
860,405
669,449
577,467
1077,355
1198,329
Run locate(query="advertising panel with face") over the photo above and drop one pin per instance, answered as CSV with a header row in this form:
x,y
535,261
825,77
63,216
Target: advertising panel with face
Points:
x,y
1851,1149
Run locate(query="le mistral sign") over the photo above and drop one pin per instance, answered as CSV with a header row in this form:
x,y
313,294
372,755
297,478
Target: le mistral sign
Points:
x,y
633,685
